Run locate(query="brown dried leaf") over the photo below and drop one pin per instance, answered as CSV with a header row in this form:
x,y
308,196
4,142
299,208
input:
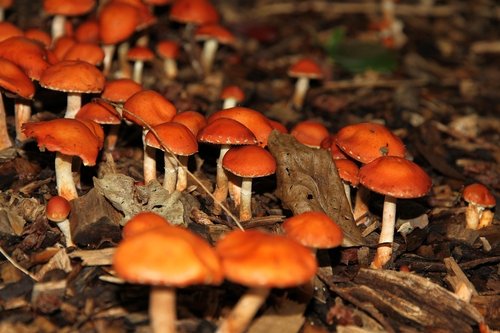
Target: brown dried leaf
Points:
x,y
286,317
308,181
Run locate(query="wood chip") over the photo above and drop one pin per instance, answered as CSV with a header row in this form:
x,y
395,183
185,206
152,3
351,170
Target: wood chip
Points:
x,y
102,257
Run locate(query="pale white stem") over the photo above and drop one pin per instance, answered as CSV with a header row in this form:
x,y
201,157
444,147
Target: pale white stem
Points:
x,y
472,215
138,68
301,87
149,162
5,141
360,210
486,219
384,249
347,190
109,51
208,55
181,173
112,137
74,105
244,311
170,177
234,189
246,199
162,310
220,192
64,178
22,114
58,23
170,68
229,103
64,226
123,60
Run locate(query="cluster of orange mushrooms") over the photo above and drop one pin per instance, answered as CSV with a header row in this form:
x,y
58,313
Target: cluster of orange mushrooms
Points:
x,y
79,60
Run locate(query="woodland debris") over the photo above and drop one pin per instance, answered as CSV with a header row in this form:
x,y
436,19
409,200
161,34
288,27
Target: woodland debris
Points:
x,y
101,257
457,280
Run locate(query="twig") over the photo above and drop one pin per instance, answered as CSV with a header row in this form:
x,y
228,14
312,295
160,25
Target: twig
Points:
x,y
16,265
162,144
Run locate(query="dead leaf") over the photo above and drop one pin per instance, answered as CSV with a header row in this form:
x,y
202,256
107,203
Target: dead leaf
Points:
x,y
308,181
285,317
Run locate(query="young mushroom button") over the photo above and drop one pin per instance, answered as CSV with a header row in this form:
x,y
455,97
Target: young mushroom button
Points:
x,y
479,200
57,211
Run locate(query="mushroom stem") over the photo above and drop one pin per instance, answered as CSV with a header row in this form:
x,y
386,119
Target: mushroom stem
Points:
x,y
486,219
229,103
301,87
123,61
149,162
182,173
162,309
74,105
170,177
360,210
221,180
112,137
22,114
58,26
246,199
64,178
65,228
170,68
4,133
384,249
472,215
137,73
234,189
109,51
244,311
208,54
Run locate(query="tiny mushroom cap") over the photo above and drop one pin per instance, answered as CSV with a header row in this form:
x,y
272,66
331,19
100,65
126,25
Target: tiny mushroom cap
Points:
x,y
254,120
479,195
396,177
13,79
73,76
249,162
100,112
176,137
196,12
348,171
314,230
278,126
232,95
214,31
305,68
167,256
167,49
58,209
367,141
120,90
143,221
226,131
310,133
257,259
150,107
193,120
140,53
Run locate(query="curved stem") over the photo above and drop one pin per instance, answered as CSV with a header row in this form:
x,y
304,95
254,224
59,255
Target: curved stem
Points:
x,y
65,228
64,178
170,177
181,173
221,188
208,55
384,249
301,87
246,199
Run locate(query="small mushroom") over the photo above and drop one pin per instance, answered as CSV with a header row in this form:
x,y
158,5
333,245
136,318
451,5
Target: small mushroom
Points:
x,y
57,211
479,200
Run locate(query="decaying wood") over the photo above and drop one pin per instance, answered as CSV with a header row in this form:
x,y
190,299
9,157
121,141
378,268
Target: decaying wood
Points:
x,y
404,297
489,307
457,280
100,257
94,220
307,180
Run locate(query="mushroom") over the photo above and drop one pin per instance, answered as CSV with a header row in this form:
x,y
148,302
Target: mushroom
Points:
x,y
57,211
394,177
310,133
248,162
148,108
139,55
168,51
166,258
212,35
260,261
74,77
349,174
62,8
62,136
479,200
173,139
304,70
225,132
231,95
85,51
143,221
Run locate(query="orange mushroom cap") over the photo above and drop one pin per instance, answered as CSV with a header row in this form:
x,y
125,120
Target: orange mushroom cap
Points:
x,y
120,90
13,79
62,46
58,209
73,76
348,171
254,120
87,32
39,36
167,49
88,52
68,7
367,141
194,11
117,22
314,229
479,195
310,133
233,92
167,256
249,161
395,176
278,126
226,131
27,54
193,120
141,222
8,30
67,136
150,107
257,259
140,53
214,31
305,68
176,137
100,112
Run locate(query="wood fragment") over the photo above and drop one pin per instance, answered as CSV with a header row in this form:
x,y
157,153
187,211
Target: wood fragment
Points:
x,y
457,280
102,257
